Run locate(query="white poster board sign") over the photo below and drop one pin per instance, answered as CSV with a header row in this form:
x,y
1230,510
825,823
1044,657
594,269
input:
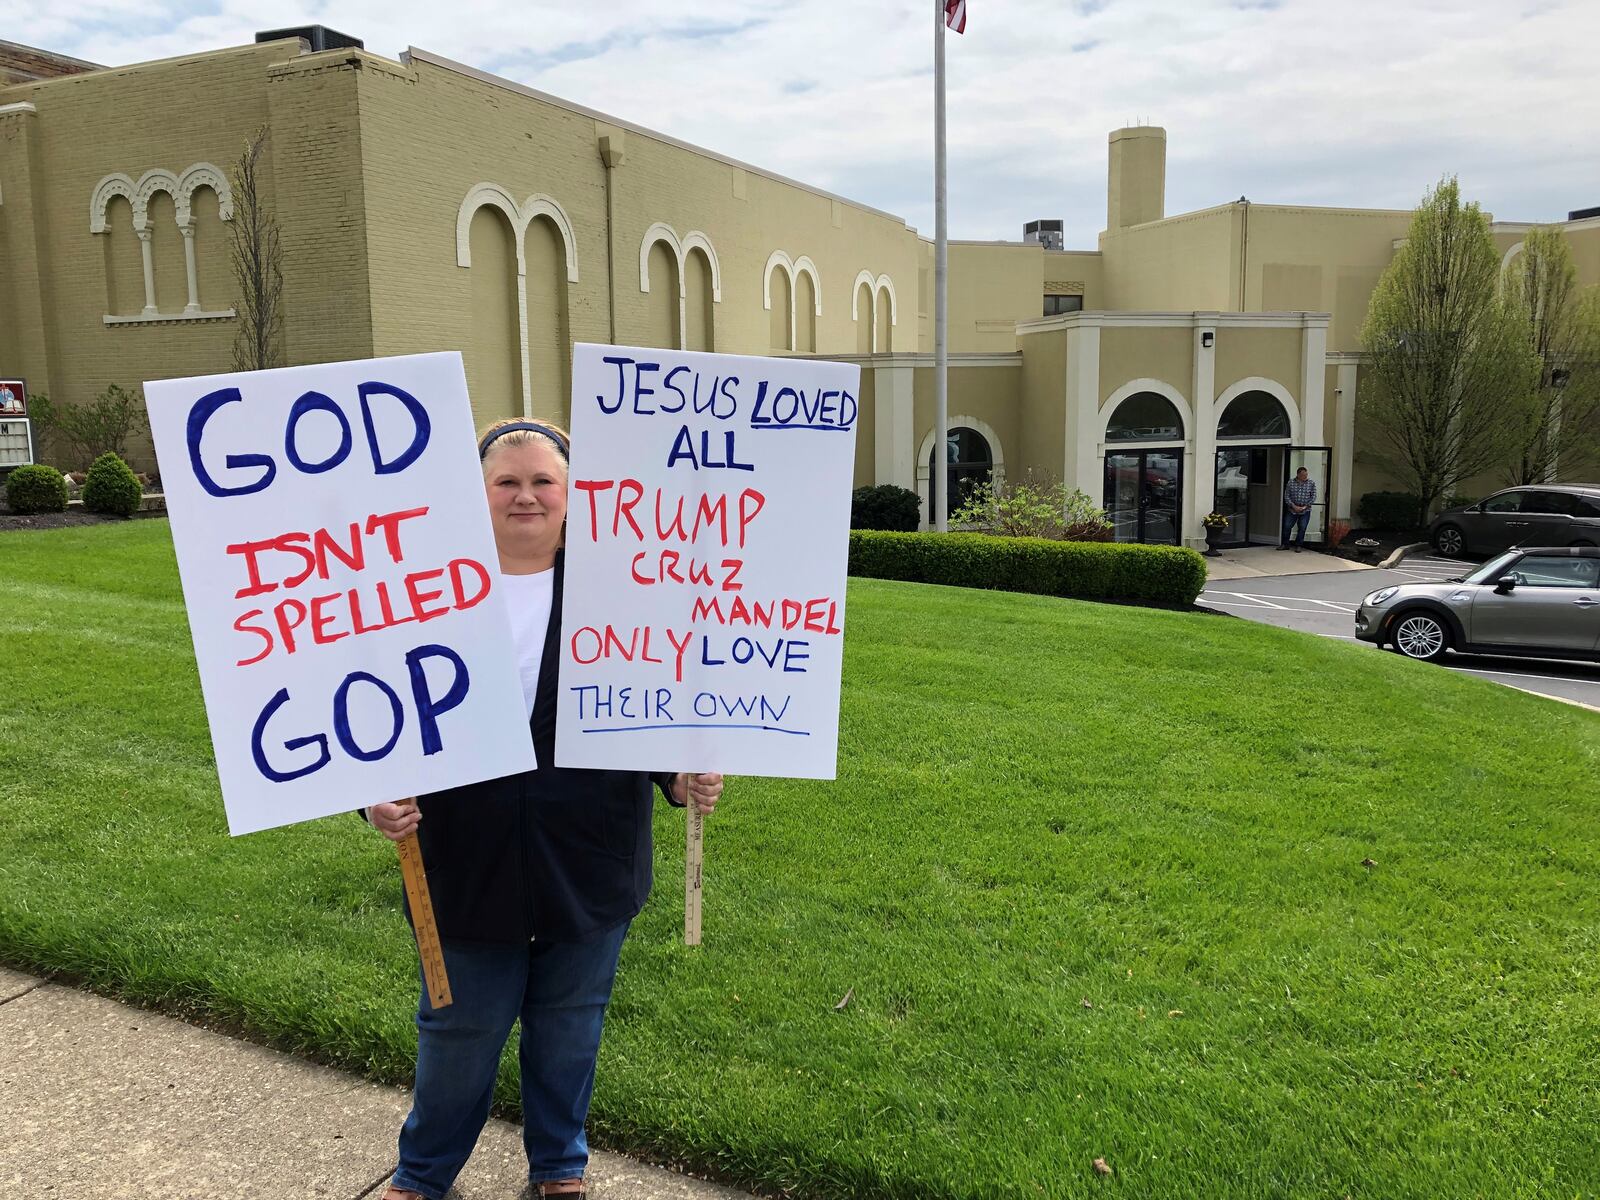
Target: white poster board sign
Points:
x,y
342,584
707,536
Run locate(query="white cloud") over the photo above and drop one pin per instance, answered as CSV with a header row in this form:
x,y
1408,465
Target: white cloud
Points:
x,y
1364,102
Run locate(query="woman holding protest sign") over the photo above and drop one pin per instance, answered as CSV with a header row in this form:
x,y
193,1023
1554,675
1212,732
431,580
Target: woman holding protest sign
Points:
x,y
535,877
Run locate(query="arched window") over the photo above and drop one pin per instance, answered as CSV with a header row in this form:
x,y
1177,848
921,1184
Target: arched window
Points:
x,y
1146,417
968,462
1253,415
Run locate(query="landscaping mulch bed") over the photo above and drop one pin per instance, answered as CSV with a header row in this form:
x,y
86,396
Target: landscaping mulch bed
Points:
x,y
61,520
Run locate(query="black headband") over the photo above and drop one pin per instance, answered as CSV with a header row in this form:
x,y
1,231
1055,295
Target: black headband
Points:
x,y
559,442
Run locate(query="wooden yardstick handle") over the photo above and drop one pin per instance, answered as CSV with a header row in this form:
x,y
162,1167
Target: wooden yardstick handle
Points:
x,y
427,930
693,864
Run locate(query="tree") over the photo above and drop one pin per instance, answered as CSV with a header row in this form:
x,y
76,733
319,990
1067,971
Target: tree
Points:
x,y
1561,326
257,263
1448,370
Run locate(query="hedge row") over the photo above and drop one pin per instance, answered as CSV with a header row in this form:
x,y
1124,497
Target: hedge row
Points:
x,y
1084,570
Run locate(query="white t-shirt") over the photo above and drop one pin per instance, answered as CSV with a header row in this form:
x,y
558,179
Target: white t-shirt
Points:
x,y
528,599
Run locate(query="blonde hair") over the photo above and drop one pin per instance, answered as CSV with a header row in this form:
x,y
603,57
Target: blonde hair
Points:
x,y
545,433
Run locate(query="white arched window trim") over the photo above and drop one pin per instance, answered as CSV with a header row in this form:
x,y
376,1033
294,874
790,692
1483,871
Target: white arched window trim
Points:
x,y
997,471
1505,262
876,285
793,268
1272,387
138,195
1133,388
884,284
681,249
520,216
864,277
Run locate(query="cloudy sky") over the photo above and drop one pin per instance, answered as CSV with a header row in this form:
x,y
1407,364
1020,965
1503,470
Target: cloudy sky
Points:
x,y
1336,102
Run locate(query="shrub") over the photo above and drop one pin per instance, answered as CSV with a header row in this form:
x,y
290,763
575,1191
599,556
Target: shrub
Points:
x,y
81,433
1390,510
1084,570
36,489
885,506
1033,508
110,487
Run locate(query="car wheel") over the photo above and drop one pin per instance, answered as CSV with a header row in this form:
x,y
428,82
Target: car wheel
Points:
x,y
1421,635
1449,542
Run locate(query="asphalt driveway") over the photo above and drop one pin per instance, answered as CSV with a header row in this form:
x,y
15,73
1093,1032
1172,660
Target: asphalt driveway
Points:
x,y
1325,604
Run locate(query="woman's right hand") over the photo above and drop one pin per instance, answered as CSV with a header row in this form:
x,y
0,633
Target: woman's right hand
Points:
x,y
395,821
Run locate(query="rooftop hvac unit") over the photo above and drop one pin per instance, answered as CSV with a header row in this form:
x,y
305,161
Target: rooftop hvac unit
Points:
x,y
1049,234
318,37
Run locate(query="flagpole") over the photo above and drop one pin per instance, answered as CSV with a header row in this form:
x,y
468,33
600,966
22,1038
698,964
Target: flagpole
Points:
x,y
939,476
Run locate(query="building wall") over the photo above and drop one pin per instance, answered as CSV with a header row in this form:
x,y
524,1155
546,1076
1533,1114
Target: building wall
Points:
x,y
1273,354
1319,260
1182,262
61,280
1165,354
1042,424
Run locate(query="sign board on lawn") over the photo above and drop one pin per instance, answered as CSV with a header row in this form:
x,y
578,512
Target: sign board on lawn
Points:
x,y
341,580
16,433
707,535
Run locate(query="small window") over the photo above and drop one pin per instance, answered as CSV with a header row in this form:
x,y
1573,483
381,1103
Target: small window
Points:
x,y
1564,572
1505,502
1055,305
1589,509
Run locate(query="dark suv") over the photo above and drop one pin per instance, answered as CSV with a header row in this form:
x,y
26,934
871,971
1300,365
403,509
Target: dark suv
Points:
x,y
1548,514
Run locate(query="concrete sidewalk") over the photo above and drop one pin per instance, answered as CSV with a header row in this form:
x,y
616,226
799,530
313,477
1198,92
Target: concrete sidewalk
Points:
x,y
99,1101
1253,562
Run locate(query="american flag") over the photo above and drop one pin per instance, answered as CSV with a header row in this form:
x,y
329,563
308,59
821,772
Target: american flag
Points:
x,y
955,15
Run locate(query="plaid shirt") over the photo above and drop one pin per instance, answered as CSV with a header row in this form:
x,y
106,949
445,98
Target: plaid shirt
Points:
x,y
1299,493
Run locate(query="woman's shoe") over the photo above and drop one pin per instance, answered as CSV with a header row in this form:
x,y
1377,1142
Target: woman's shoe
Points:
x,y
542,1190
399,1193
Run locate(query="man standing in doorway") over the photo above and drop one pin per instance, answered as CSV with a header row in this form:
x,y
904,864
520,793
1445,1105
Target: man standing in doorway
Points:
x,y
1298,497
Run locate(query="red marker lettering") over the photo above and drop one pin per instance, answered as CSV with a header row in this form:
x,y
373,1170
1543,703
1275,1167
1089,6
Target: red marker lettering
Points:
x,y
258,631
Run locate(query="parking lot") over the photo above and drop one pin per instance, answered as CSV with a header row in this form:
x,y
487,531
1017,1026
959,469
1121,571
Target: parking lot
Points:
x,y
1325,604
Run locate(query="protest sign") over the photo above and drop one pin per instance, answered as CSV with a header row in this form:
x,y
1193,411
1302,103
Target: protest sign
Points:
x,y
341,581
707,536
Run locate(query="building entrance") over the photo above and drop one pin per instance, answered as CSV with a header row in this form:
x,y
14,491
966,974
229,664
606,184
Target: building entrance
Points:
x,y
1144,495
1250,487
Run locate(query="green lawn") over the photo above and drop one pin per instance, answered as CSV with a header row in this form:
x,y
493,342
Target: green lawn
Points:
x,y
1093,874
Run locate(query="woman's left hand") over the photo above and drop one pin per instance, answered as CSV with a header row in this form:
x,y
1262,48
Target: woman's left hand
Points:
x,y
703,790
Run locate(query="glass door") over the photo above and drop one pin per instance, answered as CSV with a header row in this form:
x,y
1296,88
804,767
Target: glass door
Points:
x,y
1317,461
1143,496
1233,495
1122,495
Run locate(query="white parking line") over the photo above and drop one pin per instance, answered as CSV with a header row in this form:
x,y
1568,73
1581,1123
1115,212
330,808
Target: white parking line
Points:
x,y
1336,605
1256,600
1256,604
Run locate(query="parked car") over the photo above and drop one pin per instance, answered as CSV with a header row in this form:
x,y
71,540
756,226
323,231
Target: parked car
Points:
x,y
1542,515
1543,603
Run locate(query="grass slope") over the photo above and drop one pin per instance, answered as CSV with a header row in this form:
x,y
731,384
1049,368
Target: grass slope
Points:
x,y
1093,874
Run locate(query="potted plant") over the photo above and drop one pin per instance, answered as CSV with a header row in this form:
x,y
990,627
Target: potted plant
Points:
x,y
1366,547
1216,525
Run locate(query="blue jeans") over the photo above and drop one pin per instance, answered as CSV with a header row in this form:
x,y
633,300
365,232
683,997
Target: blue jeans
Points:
x,y
560,991
1290,521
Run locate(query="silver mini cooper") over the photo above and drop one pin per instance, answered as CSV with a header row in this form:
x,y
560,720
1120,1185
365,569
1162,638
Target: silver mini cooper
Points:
x,y
1537,603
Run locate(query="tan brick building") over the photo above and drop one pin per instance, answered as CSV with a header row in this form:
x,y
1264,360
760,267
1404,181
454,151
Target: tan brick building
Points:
x,y
1186,363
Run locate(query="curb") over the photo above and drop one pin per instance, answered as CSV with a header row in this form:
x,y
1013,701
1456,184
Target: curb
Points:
x,y
1401,554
